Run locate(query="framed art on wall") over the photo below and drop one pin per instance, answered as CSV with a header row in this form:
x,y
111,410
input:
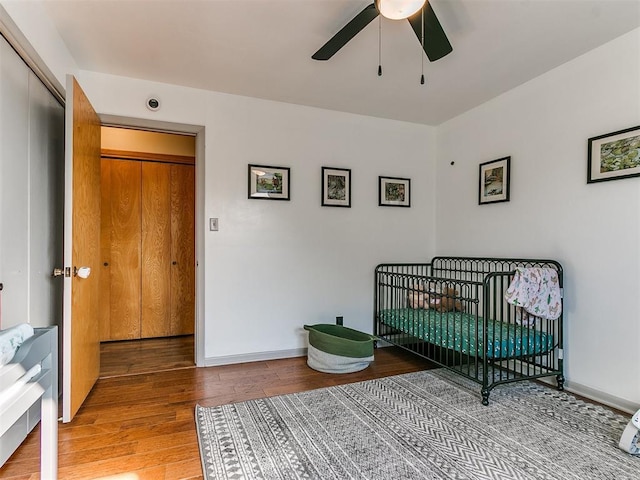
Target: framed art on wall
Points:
x,y
336,187
494,181
614,155
268,183
394,192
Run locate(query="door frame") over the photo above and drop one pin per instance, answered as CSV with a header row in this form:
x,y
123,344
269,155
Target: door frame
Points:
x,y
21,44
199,132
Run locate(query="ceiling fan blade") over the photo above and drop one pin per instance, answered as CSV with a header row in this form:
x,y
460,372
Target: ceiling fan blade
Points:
x,y
436,43
350,30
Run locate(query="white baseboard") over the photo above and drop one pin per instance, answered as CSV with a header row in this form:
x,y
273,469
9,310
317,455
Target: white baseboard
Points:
x,y
598,396
261,356
604,398
254,357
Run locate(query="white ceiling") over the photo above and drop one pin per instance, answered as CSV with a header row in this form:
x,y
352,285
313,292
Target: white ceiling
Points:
x,y
263,48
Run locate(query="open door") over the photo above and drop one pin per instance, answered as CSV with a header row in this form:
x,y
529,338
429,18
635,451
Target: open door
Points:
x,y
80,326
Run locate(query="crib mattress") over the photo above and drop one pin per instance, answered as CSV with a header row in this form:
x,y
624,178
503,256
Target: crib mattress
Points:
x,y
458,331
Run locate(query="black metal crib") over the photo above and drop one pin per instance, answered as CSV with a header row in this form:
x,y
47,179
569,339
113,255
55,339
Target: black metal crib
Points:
x,y
452,311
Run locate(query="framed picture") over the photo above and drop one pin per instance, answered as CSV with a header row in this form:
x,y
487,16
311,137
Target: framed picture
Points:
x,y
614,156
336,187
494,181
394,192
271,183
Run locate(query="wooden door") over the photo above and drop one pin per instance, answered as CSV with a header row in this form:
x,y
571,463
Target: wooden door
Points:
x,y
80,326
156,250
183,293
105,248
124,252
149,263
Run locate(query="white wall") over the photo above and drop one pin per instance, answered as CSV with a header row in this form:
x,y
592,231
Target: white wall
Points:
x,y
325,256
320,259
31,149
275,265
593,230
278,265
28,23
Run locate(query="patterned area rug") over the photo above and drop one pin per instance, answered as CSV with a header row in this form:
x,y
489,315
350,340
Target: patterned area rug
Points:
x,y
425,425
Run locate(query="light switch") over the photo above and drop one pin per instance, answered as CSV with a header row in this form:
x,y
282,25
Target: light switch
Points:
x,y
213,224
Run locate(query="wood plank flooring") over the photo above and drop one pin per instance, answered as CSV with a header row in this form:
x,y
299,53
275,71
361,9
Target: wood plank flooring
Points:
x,y
140,426
134,357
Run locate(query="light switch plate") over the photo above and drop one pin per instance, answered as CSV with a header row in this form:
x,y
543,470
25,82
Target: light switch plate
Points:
x,y
213,224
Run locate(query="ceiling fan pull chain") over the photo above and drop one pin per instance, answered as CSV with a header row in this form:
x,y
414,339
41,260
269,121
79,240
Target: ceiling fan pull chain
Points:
x,y
380,45
422,50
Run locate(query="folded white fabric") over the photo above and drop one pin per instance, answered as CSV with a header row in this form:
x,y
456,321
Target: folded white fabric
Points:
x,y
9,393
537,290
11,339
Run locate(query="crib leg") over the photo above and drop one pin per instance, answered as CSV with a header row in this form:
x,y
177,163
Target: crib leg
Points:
x,y
560,380
485,396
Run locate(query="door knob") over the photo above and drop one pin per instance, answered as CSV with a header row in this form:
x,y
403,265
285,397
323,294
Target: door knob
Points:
x,y
82,272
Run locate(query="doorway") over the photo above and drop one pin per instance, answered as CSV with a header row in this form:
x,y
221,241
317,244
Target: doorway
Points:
x,y
137,357
147,294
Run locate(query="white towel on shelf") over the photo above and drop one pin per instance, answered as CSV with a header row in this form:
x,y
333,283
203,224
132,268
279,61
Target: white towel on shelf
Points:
x,y
8,394
11,339
537,290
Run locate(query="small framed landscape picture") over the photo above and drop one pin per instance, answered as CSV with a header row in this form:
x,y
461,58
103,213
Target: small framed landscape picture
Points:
x,y
270,183
336,187
394,192
494,181
614,156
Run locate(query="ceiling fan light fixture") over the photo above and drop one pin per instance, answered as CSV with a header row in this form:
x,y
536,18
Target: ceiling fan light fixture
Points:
x,y
398,9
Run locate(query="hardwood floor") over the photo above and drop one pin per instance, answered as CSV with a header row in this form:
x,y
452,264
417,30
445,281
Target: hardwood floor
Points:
x,y
133,357
141,426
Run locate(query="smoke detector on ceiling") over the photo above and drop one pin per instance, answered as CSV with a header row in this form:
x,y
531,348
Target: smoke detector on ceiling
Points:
x,y
153,103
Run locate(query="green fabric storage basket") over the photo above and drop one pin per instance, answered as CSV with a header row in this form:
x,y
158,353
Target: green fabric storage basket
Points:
x,y
338,349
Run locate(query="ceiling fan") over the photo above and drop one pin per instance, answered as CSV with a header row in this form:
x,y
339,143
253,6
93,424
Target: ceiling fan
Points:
x,y
420,15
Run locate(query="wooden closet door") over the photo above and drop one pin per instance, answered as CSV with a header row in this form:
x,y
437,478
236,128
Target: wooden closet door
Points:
x,y
124,267
182,249
156,250
105,249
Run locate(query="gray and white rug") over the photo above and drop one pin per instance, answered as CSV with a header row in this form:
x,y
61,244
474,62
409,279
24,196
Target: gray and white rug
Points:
x,y
425,425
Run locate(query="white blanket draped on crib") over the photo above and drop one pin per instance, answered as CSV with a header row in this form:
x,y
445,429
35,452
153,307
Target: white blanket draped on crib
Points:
x,y
11,339
537,290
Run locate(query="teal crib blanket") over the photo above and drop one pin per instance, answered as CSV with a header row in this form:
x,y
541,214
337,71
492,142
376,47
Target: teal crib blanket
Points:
x,y
463,333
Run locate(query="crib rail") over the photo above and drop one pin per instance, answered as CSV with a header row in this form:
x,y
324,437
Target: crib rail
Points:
x,y
465,324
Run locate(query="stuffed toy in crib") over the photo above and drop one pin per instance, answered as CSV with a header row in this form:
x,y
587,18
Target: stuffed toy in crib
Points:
x,y
432,297
424,297
448,301
417,297
420,297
